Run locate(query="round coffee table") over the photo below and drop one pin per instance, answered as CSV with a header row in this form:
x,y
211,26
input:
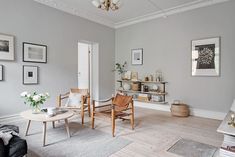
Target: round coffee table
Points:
x,y
41,117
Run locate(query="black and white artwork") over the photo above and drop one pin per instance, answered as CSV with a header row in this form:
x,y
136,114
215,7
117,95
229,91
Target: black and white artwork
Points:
x,y
1,72
34,53
137,56
30,75
6,47
206,57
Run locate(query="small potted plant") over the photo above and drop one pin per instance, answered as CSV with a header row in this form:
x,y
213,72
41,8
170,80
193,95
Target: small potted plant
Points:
x,y
34,100
121,69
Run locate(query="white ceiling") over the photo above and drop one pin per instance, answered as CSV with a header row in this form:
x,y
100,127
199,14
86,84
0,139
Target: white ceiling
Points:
x,y
130,12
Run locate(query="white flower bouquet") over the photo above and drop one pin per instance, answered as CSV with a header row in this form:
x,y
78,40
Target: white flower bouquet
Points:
x,y
34,99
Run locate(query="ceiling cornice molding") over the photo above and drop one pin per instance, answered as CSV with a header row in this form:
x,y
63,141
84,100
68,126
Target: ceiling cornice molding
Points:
x,y
107,22
82,13
178,9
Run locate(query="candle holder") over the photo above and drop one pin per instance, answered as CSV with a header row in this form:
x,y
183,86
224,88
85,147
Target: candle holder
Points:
x,y
232,123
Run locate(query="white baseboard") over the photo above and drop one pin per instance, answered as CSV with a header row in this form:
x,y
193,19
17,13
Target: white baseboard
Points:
x,y
10,118
193,111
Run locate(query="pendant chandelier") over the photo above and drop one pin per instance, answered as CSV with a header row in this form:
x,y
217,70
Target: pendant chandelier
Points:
x,y
106,4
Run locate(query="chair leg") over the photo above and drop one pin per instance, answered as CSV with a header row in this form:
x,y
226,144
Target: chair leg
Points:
x,y
132,121
92,120
113,122
82,116
89,110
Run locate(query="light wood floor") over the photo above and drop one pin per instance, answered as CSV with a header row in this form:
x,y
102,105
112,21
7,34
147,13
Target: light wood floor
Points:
x,y
156,131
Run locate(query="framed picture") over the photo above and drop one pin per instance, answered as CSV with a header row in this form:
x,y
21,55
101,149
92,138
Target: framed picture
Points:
x,y
206,57
34,53
6,47
30,75
1,72
137,56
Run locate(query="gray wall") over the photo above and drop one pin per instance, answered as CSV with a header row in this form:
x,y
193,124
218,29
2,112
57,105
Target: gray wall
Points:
x,y
167,46
32,22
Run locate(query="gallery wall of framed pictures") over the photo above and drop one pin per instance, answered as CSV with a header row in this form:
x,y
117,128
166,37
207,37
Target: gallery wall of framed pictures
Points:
x,y
31,53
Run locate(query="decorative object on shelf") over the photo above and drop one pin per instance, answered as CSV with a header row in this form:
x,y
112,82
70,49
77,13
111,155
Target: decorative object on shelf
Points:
x,y
155,87
179,110
232,123
146,88
137,56
34,100
34,53
1,73
30,75
6,47
156,98
146,78
134,76
121,69
106,4
143,97
206,57
159,76
127,75
150,77
136,86
126,86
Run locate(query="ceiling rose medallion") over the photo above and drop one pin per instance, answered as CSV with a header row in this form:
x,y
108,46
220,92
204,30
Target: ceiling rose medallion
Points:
x,y
106,4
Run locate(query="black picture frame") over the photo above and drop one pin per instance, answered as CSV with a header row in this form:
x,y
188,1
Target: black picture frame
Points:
x,y
138,61
1,72
32,73
35,46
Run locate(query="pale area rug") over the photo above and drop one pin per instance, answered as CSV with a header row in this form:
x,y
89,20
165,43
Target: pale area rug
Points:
x,y
84,141
190,148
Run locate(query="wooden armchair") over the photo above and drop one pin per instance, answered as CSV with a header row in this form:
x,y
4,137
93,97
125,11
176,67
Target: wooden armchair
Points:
x,y
85,102
121,106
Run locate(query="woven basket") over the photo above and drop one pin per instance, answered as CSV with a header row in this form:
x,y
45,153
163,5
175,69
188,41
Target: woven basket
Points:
x,y
180,110
135,86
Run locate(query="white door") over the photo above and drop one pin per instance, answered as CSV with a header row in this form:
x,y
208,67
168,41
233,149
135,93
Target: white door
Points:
x,y
83,66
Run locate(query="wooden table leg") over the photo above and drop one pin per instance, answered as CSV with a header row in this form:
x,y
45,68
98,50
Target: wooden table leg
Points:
x,y
67,127
53,124
27,129
44,133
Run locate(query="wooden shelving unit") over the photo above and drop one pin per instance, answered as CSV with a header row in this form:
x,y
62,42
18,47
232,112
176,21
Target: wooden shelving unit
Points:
x,y
161,93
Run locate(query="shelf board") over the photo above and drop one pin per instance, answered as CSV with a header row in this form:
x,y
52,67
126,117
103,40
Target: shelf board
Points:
x,y
152,102
154,93
162,82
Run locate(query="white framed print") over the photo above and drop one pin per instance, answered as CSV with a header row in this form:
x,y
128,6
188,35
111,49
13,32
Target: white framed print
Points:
x,y
206,57
137,56
30,75
1,72
6,47
34,53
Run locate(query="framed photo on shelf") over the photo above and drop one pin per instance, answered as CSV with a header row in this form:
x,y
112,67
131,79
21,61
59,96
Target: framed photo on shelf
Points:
x,y
137,56
34,53
1,72
206,57
6,47
30,75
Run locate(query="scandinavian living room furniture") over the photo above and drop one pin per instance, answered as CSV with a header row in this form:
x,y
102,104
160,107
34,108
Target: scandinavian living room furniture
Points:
x,y
17,146
121,106
85,102
41,117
